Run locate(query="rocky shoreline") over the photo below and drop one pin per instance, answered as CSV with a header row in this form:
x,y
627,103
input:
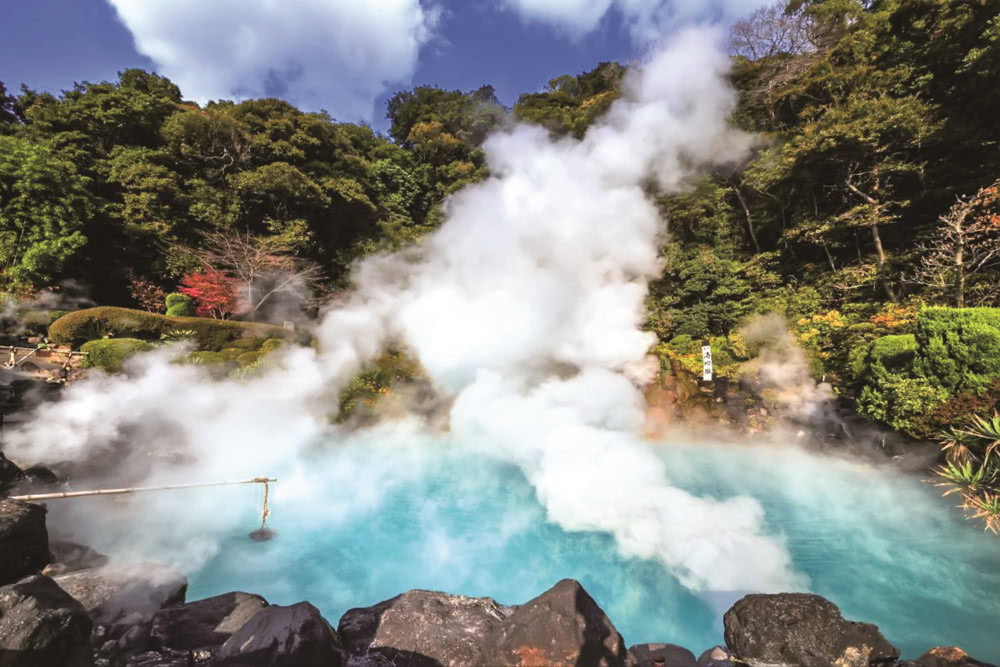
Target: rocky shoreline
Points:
x,y
63,604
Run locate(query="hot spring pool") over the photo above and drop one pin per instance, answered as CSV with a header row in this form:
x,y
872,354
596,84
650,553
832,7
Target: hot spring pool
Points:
x,y
355,529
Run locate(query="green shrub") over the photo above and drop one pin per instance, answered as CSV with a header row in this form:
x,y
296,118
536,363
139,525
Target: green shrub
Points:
x,y
83,325
271,344
180,305
684,344
922,382
959,348
901,402
108,354
250,358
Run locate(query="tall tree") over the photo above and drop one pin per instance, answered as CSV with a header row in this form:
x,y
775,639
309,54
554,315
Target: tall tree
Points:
x,y
44,207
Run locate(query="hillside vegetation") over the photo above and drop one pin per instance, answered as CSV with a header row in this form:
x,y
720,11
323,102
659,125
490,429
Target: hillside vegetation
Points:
x,y
873,194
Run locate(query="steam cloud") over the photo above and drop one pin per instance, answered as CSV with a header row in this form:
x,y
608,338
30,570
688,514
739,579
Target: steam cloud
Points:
x,y
525,306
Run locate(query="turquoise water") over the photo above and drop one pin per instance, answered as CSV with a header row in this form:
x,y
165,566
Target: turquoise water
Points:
x,y
361,525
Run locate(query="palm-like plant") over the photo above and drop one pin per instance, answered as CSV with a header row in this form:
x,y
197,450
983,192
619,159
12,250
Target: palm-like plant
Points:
x,y
972,468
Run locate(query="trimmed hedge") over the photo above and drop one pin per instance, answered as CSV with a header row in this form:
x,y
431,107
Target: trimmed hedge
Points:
x,y
80,326
180,305
109,354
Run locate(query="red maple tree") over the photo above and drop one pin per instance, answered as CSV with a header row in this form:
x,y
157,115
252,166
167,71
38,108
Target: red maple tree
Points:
x,y
214,292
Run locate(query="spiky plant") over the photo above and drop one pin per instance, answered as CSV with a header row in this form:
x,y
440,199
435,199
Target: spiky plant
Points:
x,y
972,468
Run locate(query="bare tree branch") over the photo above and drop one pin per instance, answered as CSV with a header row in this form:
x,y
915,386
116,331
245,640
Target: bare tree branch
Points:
x,y
966,244
261,267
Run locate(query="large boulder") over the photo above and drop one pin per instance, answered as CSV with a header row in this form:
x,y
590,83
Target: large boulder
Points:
x,y
203,623
122,596
422,628
24,542
42,626
948,656
662,655
803,630
562,626
279,636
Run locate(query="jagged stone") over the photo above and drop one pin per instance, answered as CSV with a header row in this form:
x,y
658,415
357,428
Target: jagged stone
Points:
x,y
948,656
422,627
42,626
10,475
24,542
803,630
123,596
280,636
561,627
208,622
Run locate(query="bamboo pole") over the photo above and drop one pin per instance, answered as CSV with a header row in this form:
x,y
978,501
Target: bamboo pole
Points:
x,y
135,489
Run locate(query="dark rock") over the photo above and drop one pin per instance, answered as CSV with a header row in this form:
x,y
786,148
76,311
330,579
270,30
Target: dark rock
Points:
x,y
717,656
422,628
804,630
42,626
562,626
72,557
120,597
134,640
24,542
41,476
948,656
279,636
208,622
10,475
662,655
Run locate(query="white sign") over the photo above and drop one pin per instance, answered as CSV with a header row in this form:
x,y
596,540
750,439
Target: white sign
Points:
x,y
706,357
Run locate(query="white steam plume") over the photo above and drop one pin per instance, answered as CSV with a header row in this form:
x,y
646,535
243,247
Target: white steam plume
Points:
x,y
526,307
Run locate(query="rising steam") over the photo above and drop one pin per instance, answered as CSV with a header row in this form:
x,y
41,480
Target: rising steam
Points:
x,y
525,307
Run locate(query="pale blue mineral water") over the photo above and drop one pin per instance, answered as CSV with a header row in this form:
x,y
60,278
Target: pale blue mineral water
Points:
x,y
361,526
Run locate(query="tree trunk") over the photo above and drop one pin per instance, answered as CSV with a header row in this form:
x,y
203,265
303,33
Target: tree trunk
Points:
x,y
829,258
886,285
960,277
878,240
746,211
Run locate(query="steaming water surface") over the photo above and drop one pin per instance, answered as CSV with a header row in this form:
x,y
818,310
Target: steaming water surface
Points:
x,y
371,521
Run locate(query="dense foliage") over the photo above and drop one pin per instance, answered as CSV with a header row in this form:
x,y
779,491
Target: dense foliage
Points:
x,y
872,194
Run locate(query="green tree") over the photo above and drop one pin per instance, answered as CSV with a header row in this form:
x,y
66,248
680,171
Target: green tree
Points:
x,y
44,207
571,104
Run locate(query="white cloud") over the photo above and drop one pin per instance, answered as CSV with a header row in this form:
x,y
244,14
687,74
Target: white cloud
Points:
x,y
647,20
328,54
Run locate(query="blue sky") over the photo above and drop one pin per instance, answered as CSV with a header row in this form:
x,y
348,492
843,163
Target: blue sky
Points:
x,y
346,57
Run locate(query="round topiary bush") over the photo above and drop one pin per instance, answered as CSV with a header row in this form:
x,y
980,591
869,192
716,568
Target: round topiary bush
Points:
x,y
109,354
180,305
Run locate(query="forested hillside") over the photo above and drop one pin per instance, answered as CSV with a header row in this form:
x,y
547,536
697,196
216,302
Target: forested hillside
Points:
x,y
872,193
